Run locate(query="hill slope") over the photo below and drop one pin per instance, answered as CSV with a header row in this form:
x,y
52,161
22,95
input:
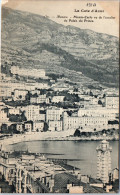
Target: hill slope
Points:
x,y
34,40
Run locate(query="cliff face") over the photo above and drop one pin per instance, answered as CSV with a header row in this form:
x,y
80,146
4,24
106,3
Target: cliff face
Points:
x,y
34,40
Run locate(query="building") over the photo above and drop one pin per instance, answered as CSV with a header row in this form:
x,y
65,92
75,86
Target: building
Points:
x,y
36,73
84,122
33,173
75,189
57,99
39,100
28,173
28,126
53,114
19,127
38,126
60,86
14,110
36,91
110,114
17,85
33,100
115,174
112,102
20,94
3,116
104,161
7,165
55,125
5,91
31,112
41,117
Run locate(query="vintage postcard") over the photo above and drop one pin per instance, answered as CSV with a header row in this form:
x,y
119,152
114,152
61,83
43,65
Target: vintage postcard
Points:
x,y
59,96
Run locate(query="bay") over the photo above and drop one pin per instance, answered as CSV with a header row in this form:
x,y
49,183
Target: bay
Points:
x,y
81,154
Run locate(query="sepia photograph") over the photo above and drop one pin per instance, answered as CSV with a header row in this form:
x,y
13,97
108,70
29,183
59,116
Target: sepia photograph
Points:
x,y
59,96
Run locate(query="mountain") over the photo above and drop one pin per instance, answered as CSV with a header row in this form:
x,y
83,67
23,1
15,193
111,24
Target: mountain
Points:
x,y
34,40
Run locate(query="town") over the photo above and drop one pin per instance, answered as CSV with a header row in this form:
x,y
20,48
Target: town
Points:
x,y
32,101
59,98
38,106
25,172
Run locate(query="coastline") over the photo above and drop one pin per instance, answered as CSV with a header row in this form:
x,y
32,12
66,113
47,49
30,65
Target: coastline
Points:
x,y
46,136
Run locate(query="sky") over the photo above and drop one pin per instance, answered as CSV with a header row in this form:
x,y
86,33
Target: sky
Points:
x,y
53,8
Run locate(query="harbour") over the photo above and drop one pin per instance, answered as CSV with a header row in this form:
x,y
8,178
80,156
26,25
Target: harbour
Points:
x,y
76,152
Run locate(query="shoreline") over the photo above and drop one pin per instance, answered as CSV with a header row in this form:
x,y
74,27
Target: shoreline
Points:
x,y
45,137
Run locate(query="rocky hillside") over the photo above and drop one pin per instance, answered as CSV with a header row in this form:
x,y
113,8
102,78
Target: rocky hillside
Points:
x,y
34,40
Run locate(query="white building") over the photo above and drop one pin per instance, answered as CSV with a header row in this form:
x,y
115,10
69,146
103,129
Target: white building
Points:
x,y
104,161
57,99
94,101
14,111
115,174
33,100
28,126
110,114
84,122
37,73
19,94
17,85
55,125
19,127
35,92
38,126
53,114
3,116
5,91
31,112
75,189
40,99
112,102
42,117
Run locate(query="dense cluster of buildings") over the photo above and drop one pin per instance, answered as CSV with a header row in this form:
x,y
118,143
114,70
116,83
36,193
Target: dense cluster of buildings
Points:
x,y
24,105
15,70
42,103
34,173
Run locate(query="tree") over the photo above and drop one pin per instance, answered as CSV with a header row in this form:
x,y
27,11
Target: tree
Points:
x,y
17,77
17,117
45,127
75,89
4,128
20,96
77,133
37,130
12,128
104,95
113,122
91,94
99,102
103,131
28,96
23,117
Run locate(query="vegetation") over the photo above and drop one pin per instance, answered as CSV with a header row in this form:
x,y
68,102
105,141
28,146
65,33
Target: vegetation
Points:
x,y
16,103
108,132
100,102
55,76
101,68
113,122
45,127
17,117
9,130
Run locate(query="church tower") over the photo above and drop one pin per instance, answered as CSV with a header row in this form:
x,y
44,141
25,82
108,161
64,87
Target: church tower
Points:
x,y
104,161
